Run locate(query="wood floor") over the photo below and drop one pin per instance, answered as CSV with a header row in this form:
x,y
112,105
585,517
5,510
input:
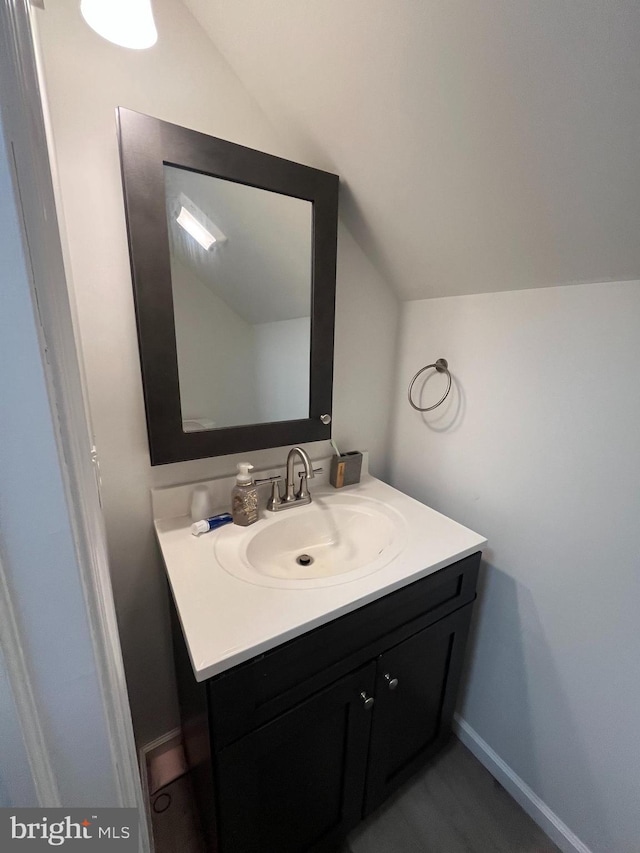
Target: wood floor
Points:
x,y
453,806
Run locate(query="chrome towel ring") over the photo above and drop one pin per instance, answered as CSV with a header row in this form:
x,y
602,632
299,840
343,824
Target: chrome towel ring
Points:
x,y
442,366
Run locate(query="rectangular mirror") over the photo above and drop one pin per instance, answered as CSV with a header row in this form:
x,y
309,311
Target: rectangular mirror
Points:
x,y
233,256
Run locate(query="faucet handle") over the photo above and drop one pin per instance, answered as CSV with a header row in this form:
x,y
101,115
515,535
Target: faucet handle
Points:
x,y
263,480
275,499
303,491
302,474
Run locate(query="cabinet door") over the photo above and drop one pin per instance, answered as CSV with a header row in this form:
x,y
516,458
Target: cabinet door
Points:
x,y
416,685
296,784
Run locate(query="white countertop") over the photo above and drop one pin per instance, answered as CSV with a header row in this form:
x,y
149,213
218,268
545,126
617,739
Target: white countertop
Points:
x,y
227,621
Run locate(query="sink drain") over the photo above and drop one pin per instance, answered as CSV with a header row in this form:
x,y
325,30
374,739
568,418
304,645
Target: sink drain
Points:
x,y
304,560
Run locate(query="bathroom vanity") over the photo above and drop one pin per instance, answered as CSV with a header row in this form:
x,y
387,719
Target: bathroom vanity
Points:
x,y
304,707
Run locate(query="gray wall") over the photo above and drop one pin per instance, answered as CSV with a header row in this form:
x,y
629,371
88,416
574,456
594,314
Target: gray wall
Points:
x,y
538,450
16,784
38,557
182,79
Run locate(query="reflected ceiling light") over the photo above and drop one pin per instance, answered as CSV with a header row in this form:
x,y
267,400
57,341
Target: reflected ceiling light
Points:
x,y
128,23
193,227
194,222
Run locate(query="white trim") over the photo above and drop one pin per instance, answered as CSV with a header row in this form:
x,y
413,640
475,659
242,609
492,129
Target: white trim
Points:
x,y
146,754
537,810
44,780
26,138
154,745
144,783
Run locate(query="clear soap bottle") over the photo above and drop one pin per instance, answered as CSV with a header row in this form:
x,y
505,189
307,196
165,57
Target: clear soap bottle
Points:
x,y
244,497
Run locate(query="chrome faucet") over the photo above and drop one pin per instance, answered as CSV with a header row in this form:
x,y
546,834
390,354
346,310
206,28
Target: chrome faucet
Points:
x,y
303,494
292,498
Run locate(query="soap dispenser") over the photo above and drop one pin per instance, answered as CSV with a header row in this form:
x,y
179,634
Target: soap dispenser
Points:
x,y
244,497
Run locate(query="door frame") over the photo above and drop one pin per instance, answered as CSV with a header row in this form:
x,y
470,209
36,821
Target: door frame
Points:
x,y
26,135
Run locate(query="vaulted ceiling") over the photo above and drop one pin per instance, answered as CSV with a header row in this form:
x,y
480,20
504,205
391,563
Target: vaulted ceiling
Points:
x,y
482,146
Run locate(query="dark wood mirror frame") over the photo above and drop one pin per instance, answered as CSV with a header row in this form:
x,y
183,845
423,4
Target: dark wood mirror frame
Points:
x,y
146,145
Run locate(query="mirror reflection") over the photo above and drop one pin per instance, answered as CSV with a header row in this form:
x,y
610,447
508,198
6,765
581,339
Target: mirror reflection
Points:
x,y
241,283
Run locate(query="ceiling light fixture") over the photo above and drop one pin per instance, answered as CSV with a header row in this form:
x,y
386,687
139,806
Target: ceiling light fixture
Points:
x,y
194,222
128,23
193,227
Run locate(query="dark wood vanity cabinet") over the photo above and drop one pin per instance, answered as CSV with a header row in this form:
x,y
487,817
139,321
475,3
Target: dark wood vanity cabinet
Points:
x,y
292,749
296,783
416,685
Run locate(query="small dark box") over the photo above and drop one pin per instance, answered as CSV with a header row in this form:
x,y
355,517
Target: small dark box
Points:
x,y
345,469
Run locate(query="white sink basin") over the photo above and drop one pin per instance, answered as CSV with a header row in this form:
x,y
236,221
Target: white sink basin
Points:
x,y
367,541
335,539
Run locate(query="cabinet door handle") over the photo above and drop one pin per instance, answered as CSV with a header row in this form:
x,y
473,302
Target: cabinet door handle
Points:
x,y
367,701
391,682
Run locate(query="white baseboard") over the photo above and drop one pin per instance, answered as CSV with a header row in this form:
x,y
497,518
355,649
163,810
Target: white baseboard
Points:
x,y
537,810
174,736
